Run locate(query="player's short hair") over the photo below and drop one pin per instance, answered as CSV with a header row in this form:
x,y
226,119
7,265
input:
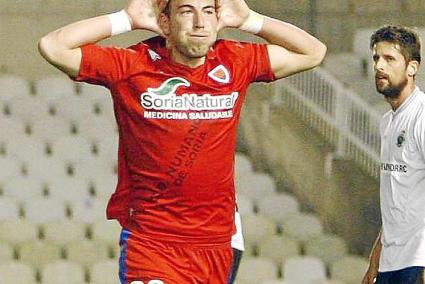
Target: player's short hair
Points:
x,y
167,8
407,38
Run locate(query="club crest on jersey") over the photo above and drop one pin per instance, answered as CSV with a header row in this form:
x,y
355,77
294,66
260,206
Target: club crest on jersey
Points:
x,y
220,74
401,139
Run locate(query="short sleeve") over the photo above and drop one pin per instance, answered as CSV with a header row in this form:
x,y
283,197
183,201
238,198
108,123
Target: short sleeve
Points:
x,y
259,63
104,65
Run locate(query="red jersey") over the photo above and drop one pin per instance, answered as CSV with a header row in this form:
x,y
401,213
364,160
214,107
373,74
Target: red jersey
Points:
x,y
177,134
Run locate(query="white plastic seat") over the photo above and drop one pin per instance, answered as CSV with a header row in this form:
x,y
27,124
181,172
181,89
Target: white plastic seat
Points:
x,y
74,109
302,226
278,206
328,248
94,93
27,148
72,149
6,253
16,273
256,269
9,168
47,168
105,186
256,186
304,269
9,209
12,129
64,232
95,169
54,88
108,147
257,228
12,87
279,249
349,269
106,231
17,231
105,272
277,282
243,164
86,252
89,210
38,254
245,204
63,272
50,128
44,210
23,188
69,189
29,109
98,129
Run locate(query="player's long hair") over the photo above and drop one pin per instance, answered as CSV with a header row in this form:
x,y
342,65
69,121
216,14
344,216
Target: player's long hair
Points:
x,y
407,38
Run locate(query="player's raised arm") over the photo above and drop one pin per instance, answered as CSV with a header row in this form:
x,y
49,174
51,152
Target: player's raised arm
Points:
x,y
61,47
291,49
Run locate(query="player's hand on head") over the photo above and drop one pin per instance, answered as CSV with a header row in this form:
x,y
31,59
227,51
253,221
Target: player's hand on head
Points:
x,y
144,14
231,13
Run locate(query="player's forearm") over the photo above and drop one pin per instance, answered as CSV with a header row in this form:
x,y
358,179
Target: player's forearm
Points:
x,y
293,39
61,47
375,253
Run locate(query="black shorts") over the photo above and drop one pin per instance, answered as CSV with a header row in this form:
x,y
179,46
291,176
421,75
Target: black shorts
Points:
x,y
409,275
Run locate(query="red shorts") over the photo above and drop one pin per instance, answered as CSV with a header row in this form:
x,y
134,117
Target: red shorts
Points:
x,y
148,261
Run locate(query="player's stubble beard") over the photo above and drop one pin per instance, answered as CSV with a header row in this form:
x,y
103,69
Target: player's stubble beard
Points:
x,y
192,49
390,90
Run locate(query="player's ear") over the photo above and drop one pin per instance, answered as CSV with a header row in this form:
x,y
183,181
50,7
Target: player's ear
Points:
x,y
164,24
412,68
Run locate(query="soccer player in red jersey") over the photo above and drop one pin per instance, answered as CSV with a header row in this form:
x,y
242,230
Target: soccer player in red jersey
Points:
x,y
177,100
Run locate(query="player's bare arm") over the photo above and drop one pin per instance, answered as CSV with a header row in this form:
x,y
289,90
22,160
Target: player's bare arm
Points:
x,y
61,47
291,50
372,271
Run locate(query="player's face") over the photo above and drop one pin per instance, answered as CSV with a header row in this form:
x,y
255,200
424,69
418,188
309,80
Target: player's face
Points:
x,y
192,27
390,66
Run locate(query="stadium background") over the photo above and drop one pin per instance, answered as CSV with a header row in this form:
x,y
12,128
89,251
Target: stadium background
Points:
x,y
281,149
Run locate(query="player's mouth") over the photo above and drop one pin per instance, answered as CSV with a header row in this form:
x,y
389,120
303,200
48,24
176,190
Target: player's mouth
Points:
x,y
381,76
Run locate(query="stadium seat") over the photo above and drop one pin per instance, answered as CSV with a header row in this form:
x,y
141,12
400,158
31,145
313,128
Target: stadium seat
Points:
x,y
62,272
47,168
304,269
105,272
329,248
17,231
349,269
6,253
23,188
278,206
29,109
43,210
64,232
245,204
9,168
94,93
50,129
86,252
13,87
256,269
108,147
89,210
279,249
26,148
302,226
98,129
104,185
9,209
107,231
16,273
69,189
54,88
74,109
38,254
256,186
277,282
243,164
257,229
12,129
72,149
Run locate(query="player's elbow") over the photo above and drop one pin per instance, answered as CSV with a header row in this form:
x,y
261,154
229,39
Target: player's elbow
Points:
x,y
47,48
318,54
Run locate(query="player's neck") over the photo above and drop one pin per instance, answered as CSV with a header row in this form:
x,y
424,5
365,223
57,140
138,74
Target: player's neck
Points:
x,y
404,94
180,58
